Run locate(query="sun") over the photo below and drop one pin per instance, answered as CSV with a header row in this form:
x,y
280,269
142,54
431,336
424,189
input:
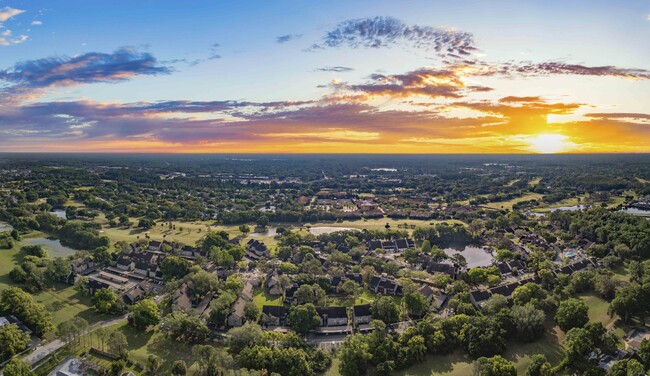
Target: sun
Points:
x,y
548,143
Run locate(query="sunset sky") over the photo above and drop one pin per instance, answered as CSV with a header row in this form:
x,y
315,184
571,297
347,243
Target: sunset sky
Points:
x,y
266,76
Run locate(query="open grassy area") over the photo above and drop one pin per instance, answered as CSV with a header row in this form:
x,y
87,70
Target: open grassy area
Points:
x,y
508,204
262,298
366,297
142,344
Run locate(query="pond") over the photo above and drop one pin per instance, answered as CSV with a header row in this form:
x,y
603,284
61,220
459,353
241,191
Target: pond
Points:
x,y
567,208
269,231
635,211
4,226
60,213
329,229
475,256
53,246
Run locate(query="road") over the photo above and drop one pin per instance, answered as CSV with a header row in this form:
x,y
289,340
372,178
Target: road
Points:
x,y
43,351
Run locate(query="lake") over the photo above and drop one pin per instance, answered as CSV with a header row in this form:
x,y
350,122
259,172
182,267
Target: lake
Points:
x,y
59,213
270,231
4,226
329,229
635,211
567,208
53,246
475,256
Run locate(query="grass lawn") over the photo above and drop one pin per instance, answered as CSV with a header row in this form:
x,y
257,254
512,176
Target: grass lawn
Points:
x,y
508,204
142,344
598,309
366,297
262,298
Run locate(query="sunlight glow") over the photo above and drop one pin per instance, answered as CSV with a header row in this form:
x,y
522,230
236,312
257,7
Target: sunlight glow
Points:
x,y
550,143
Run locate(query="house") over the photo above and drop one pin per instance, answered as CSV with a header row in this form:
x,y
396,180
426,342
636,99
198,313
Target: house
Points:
x,y
384,285
333,316
274,315
8,320
80,266
181,301
272,284
362,314
154,245
236,317
125,263
256,249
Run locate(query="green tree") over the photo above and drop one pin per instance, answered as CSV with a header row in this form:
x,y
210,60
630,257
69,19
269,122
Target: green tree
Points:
x,y
12,340
118,344
179,368
304,318
211,360
58,270
251,312
578,343
354,356
153,364
572,313
244,229
385,309
144,313
494,366
104,300
175,267
247,335
185,328
17,367
528,321
416,304
539,366
628,302
17,302
483,336
644,352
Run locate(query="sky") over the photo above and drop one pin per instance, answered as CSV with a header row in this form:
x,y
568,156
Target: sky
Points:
x,y
481,76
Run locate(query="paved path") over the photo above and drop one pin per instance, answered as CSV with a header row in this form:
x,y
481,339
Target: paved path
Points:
x,y
42,352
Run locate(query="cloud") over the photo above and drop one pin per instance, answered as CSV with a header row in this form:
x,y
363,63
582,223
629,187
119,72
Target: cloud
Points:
x,y
37,23
381,32
287,38
511,99
428,82
8,12
562,68
337,69
91,67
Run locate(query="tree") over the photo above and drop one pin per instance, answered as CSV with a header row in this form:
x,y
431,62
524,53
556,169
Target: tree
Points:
x,y
628,302
644,352
244,229
416,304
179,368
483,336
12,340
185,328
385,309
104,300
58,270
17,302
210,359
539,366
247,335
118,344
17,367
251,312
175,267
494,366
426,247
153,364
578,343
350,288
145,313
572,313
310,294
354,356
304,318
145,223
528,321
203,283
117,366
528,293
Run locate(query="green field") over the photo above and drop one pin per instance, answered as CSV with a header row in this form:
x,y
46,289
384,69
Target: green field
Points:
x,y
508,204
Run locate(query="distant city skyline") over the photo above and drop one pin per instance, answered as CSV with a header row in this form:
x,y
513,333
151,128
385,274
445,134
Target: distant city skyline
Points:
x,y
325,77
